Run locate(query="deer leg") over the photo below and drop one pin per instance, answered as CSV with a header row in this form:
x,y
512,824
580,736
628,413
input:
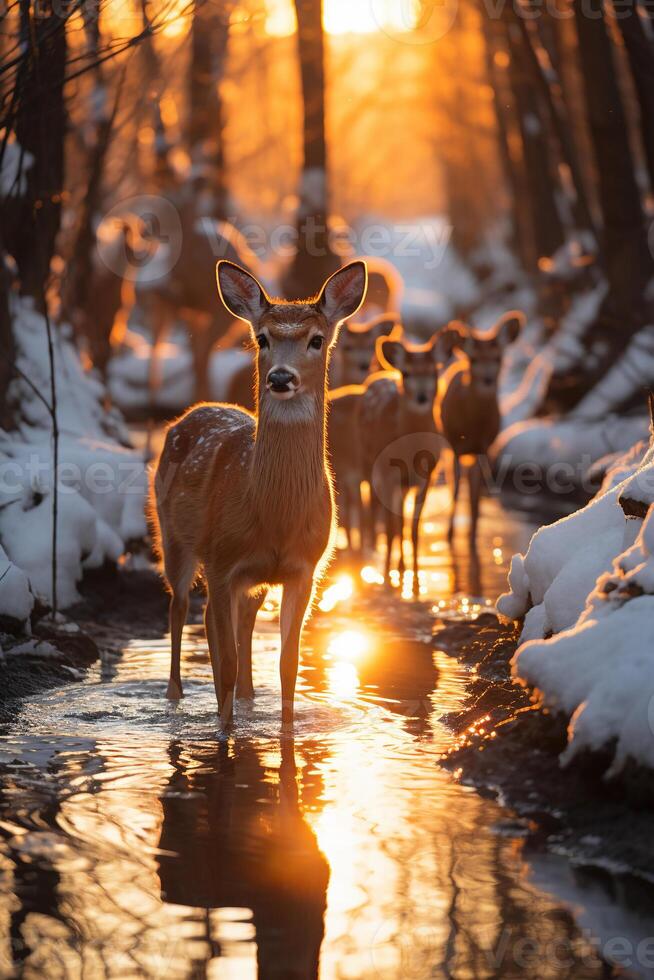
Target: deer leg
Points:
x,y
418,506
370,520
222,648
401,567
177,618
179,569
356,519
248,607
212,643
296,598
474,483
455,484
393,519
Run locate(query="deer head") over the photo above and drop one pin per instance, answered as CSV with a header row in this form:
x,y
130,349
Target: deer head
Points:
x,y
294,339
484,350
357,346
417,363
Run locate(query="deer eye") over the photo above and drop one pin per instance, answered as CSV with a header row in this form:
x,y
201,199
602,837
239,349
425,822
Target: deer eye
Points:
x,y
316,342
262,341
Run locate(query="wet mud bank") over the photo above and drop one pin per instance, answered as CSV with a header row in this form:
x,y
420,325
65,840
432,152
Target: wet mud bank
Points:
x,y
509,749
115,603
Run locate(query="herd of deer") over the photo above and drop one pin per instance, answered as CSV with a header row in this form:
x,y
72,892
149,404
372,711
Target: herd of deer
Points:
x,y
249,496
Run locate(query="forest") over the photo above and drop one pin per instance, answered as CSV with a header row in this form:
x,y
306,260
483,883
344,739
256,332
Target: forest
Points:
x,y
326,476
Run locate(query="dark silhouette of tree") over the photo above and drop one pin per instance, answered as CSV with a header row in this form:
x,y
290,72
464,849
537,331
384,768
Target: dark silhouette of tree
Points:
x,y
32,213
314,259
640,51
209,37
628,263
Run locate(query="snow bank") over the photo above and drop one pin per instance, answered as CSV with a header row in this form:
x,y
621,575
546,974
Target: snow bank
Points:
x,y
587,584
129,369
101,482
570,444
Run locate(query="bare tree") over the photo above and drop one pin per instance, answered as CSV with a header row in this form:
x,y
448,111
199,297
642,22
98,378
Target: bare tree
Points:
x,y
314,259
209,37
627,259
32,215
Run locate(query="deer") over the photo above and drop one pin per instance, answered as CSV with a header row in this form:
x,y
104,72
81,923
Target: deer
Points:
x,y
467,411
397,404
351,363
247,496
186,292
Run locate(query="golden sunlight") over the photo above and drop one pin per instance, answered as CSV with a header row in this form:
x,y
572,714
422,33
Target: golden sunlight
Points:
x,y
345,17
340,591
348,645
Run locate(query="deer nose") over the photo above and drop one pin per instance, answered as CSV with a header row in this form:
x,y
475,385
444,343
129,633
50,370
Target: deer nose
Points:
x,y
280,379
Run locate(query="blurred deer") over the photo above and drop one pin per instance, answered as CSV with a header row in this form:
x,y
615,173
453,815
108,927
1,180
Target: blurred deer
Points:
x,y
249,498
399,406
356,356
467,411
344,449
357,359
186,292
385,288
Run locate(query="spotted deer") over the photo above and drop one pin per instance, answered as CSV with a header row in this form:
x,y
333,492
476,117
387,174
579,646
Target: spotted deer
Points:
x,y
467,410
248,498
400,445
352,362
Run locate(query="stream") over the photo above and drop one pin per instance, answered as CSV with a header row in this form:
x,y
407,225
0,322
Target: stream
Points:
x,y
136,842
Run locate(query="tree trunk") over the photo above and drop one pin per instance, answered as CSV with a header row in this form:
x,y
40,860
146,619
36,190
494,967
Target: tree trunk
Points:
x,y
536,57
521,222
7,349
627,259
640,51
314,259
209,36
537,150
34,213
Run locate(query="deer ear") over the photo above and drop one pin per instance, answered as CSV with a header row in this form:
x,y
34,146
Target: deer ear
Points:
x,y
241,293
343,293
451,337
383,325
390,353
509,326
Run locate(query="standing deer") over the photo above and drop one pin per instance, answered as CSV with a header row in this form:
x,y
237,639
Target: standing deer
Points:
x,y
357,358
186,291
467,411
249,497
400,408
352,362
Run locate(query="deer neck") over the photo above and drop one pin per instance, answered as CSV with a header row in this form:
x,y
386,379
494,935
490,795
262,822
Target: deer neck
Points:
x,y
288,464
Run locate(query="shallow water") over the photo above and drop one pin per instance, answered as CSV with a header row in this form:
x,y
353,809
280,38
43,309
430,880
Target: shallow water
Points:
x,y
135,842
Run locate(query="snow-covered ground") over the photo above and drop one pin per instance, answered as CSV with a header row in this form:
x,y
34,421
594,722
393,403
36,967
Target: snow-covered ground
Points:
x,y
101,481
585,588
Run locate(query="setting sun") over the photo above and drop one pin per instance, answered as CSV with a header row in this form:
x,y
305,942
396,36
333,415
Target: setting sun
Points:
x,y
344,17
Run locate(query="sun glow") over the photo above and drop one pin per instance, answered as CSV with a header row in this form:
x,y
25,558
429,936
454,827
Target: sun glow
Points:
x,y
348,645
345,17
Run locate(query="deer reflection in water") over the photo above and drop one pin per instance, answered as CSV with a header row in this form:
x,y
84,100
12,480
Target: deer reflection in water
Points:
x,y
234,837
